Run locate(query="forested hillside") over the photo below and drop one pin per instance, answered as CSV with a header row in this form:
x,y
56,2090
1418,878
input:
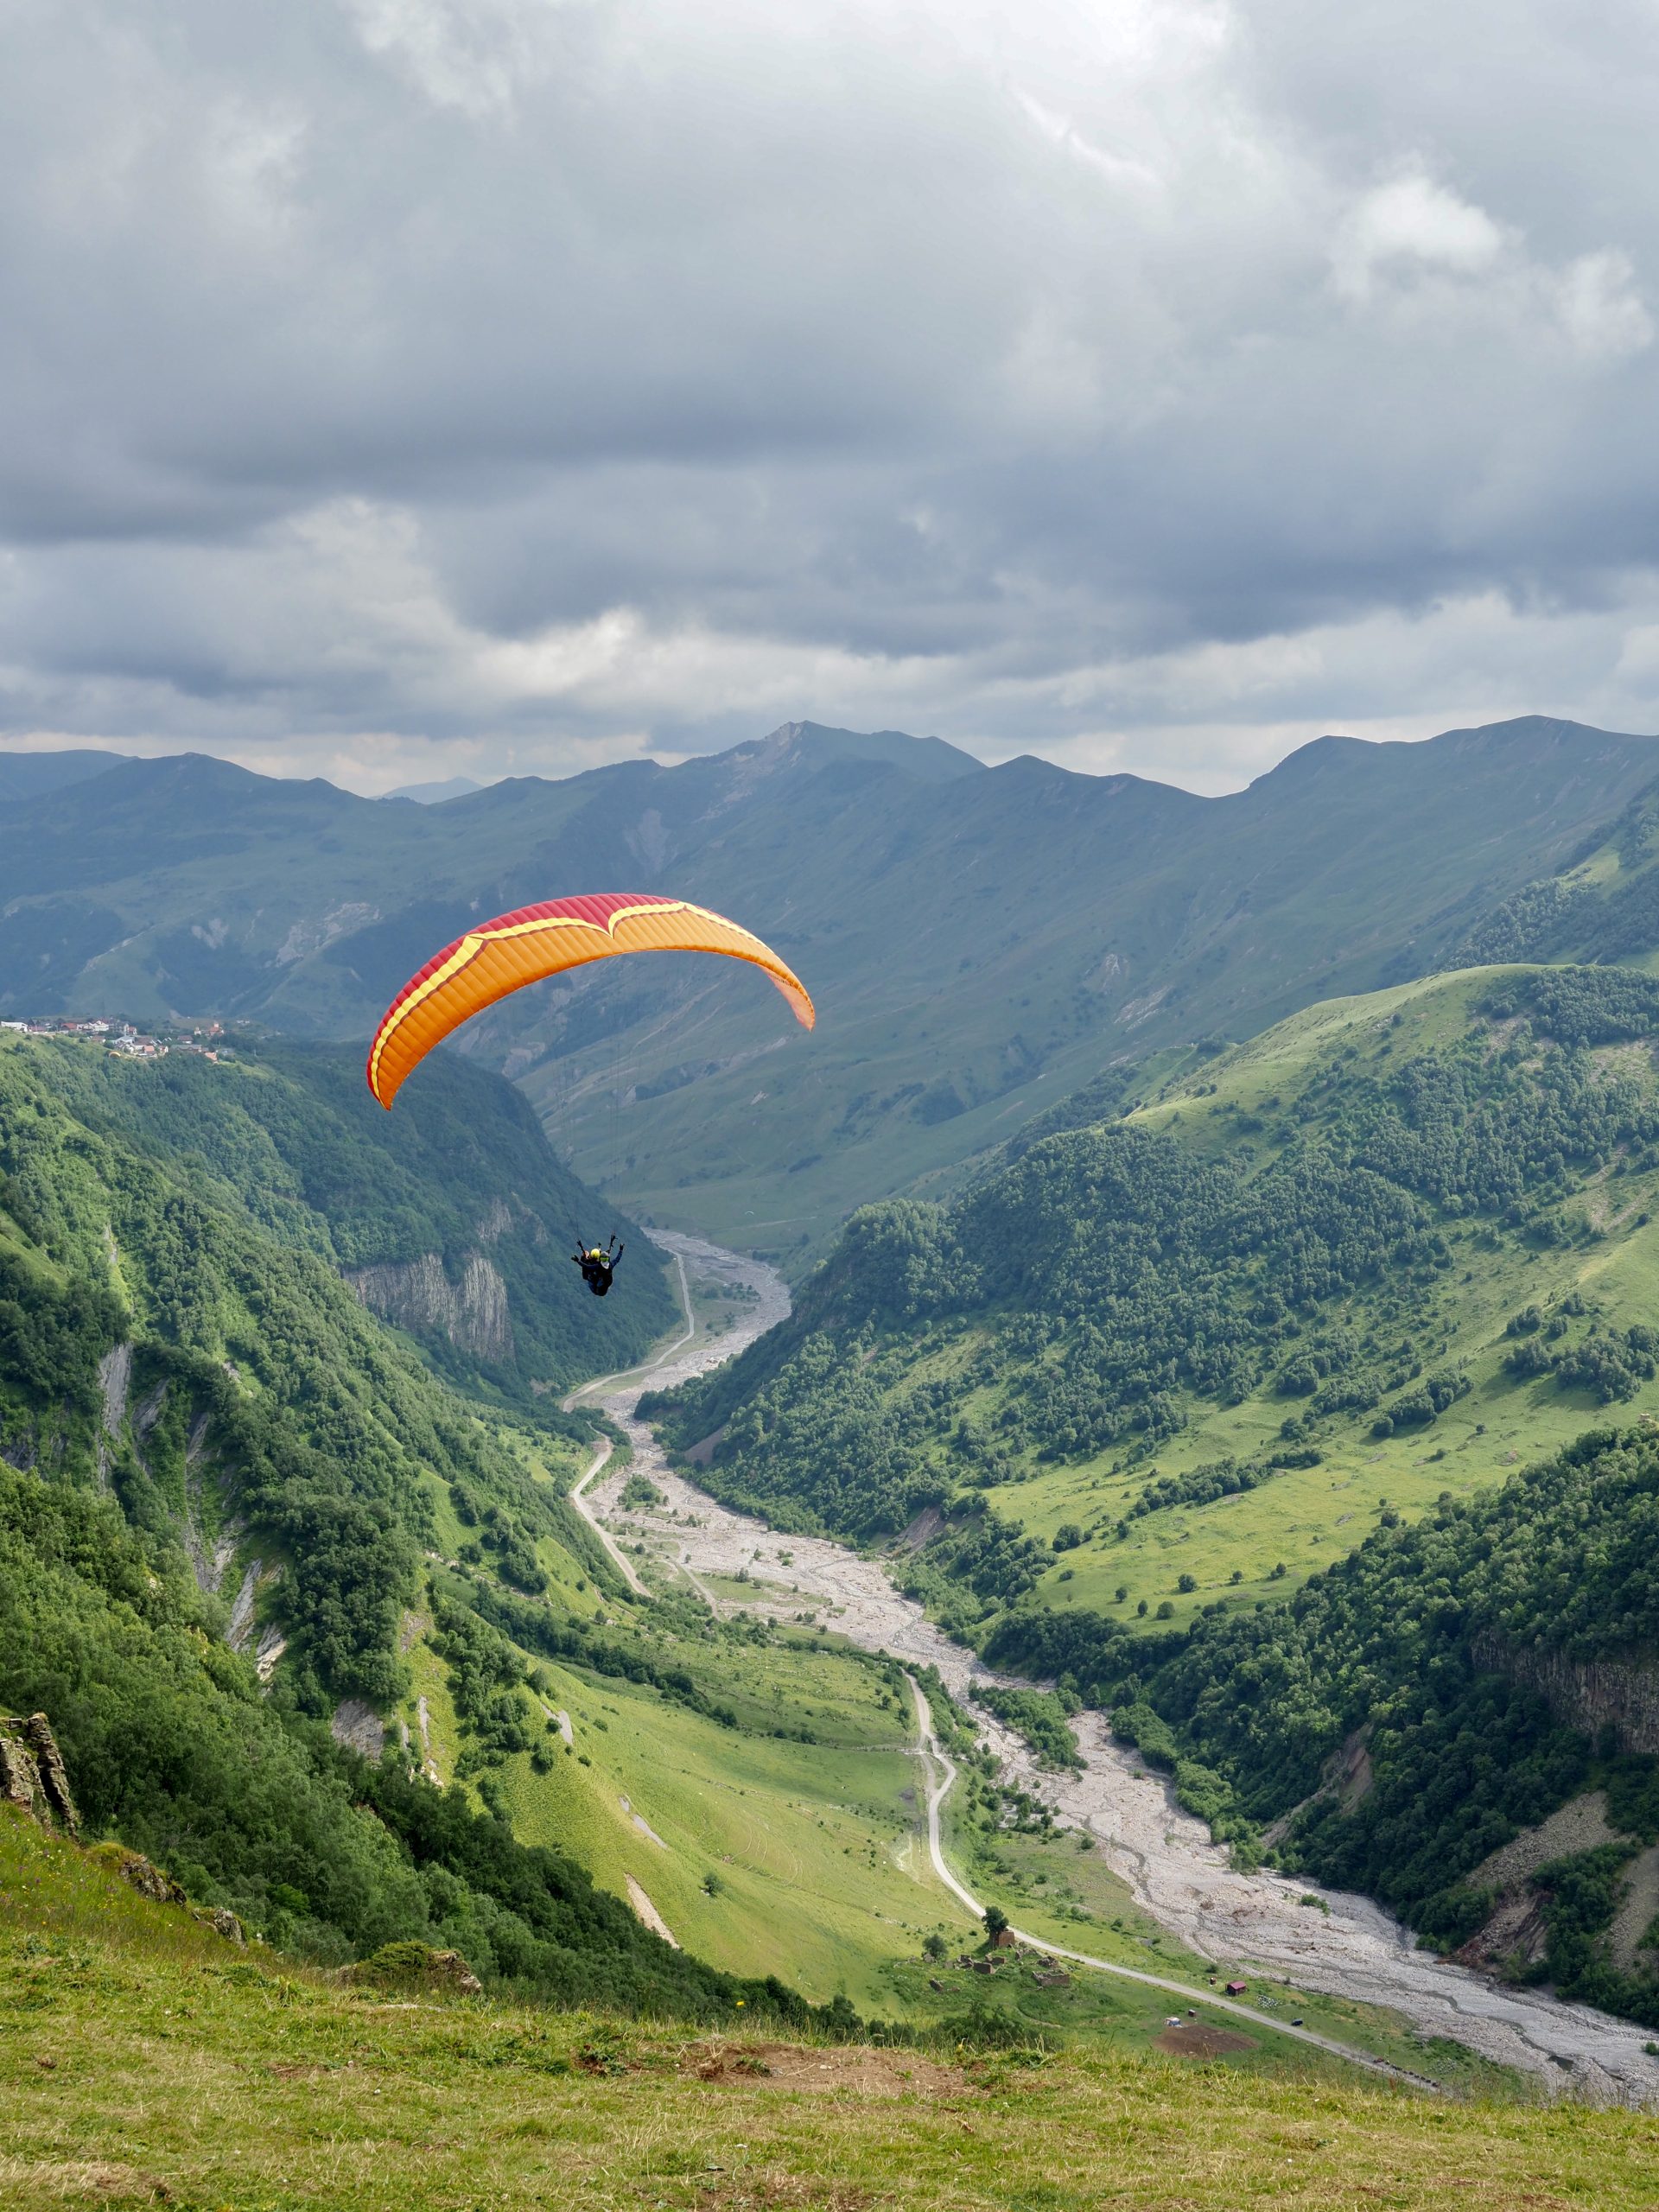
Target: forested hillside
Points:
x,y
1389,1718
198,1421
452,1217
1394,1232
979,940
323,1634
1125,1394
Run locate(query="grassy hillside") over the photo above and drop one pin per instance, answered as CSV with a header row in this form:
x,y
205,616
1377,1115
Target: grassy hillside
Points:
x,y
1374,1254
205,1442
978,940
326,2093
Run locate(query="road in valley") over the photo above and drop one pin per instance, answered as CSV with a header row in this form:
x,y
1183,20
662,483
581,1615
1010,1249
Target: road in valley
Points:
x,y
1351,1949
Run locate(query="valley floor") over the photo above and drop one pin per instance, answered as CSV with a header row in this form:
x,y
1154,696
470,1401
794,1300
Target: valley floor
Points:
x,y
1261,1925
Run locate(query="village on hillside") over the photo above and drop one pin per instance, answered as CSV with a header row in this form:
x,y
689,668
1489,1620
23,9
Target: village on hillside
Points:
x,y
125,1038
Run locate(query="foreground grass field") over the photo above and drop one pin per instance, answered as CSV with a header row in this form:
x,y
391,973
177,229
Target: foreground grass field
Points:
x,y
143,2062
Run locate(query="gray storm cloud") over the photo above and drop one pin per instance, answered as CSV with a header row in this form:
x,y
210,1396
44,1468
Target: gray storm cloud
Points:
x,y
532,382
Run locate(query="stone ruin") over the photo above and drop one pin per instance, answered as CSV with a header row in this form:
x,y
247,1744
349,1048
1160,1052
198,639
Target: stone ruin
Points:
x,y
32,1776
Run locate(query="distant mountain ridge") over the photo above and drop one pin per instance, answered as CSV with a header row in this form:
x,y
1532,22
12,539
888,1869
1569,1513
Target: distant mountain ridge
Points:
x,y
437,794
26,775
980,940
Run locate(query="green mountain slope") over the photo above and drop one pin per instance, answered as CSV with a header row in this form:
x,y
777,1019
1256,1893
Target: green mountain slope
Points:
x,y
452,1217
1603,906
261,1567
1145,1377
977,939
1379,1251
207,1441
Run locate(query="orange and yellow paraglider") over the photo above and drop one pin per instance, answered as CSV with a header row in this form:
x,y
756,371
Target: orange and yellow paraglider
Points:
x,y
520,948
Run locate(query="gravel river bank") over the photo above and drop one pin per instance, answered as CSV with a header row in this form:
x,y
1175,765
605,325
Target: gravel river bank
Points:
x,y
1353,1948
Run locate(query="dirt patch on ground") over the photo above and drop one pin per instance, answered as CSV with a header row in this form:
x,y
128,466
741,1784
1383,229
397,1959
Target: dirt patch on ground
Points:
x,y
91,2178
1514,1933
853,2068
647,1911
774,2191
1200,2041
1638,1908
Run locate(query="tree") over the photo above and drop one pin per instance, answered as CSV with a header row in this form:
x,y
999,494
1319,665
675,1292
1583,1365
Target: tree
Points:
x,y
995,1920
935,1945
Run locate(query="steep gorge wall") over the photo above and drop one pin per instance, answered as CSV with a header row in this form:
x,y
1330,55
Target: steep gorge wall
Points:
x,y
1588,1693
419,1295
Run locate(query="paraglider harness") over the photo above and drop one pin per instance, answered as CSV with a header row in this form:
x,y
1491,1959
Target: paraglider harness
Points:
x,y
598,1267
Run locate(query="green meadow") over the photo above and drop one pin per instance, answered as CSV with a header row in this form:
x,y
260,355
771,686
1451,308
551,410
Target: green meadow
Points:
x,y
143,2062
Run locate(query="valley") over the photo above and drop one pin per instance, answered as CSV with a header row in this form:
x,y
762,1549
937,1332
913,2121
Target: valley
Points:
x,y
1339,1946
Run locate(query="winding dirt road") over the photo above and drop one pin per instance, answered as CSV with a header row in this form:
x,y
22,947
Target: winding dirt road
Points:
x,y
1255,1921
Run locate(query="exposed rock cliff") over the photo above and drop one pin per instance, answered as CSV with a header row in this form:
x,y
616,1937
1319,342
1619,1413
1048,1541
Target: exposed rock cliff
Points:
x,y
1588,1693
32,1776
419,1295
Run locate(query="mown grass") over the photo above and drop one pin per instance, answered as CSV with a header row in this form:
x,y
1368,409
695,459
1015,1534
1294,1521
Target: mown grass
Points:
x,y
142,2063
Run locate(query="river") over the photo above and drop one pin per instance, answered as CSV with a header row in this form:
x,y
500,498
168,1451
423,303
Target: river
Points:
x,y
1352,1949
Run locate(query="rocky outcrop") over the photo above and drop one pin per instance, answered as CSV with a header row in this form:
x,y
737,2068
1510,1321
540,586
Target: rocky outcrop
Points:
x,y
155,1882
141,1874
221,1919
32,1775
114,1380
419,1295
1515,1934
360,1727
1591,1695
33,1778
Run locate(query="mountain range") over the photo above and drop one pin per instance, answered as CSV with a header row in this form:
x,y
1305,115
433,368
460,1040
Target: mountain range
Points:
x,y
980,940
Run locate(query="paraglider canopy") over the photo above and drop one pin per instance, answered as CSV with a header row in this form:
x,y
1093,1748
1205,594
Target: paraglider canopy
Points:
x,y
503,956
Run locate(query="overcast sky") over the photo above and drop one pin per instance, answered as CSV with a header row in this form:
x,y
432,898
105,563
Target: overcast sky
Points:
x,y
401,388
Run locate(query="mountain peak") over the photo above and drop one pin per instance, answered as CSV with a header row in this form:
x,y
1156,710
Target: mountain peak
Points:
x,y
926,760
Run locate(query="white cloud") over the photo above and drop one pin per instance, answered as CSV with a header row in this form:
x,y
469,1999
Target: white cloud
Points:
x,y
519,379
1412,223
1600,308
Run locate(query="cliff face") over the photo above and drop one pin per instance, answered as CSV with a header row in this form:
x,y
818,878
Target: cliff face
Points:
x,y
32,1776
1587,1693
419,1295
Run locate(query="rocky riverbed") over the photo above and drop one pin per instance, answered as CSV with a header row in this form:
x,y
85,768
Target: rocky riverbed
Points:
x,y
1351,1947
